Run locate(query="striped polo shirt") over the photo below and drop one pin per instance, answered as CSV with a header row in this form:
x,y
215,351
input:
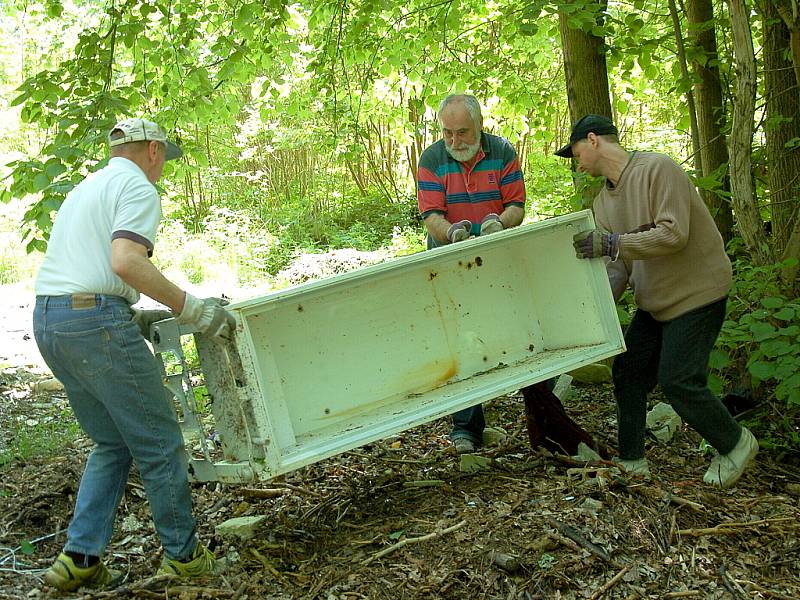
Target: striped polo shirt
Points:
x,y
487,184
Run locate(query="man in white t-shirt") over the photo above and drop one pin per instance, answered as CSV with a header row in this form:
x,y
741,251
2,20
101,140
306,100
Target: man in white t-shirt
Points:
x,y
97,263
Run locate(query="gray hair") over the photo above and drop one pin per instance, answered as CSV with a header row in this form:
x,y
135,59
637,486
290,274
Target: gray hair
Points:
x,y
470,103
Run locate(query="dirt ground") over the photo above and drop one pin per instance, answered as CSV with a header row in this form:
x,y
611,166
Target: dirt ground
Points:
x,y
398,519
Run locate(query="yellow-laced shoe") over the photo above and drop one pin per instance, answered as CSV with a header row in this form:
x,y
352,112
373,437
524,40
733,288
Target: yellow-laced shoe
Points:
x,y
64,575
202,564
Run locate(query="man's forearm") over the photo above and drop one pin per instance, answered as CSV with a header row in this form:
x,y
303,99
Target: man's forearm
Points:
x,y
437,227
147,279
130,262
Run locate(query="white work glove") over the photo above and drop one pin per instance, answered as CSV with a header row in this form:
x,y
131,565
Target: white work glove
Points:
x,y
145,318
491,223
207,316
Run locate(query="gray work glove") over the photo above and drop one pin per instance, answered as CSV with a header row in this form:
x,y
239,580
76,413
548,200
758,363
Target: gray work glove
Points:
x,y
207,316
594,243
145,318
491,223
459,231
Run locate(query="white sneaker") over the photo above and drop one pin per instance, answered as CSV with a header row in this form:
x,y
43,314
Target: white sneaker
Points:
x,y
726,469
638,467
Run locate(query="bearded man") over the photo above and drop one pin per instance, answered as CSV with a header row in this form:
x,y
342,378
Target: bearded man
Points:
x,y
469,183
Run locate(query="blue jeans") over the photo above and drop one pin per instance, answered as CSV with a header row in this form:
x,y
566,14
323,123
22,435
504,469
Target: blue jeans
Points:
x,y
114,386
469,422
673,354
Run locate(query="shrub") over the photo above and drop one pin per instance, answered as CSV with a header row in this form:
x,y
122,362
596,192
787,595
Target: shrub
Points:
x,y
761,334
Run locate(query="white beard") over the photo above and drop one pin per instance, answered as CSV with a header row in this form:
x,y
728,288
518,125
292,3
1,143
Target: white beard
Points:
x,y
466,153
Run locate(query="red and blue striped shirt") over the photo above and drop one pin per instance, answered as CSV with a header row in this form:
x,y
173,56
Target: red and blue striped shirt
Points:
x,y
487,184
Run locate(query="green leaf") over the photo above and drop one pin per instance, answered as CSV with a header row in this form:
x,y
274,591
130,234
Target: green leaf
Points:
x,y
789,389
762,370
786,366
772,302
762,331
21,98
718,359
54,168
27,548
40,182
793,399
774,348
787,313
716,384
708,183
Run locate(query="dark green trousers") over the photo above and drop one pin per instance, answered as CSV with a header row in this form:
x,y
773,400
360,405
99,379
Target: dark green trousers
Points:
x,y
673,354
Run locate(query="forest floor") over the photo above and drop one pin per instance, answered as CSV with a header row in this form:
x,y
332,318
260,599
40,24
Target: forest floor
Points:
x,y
398,519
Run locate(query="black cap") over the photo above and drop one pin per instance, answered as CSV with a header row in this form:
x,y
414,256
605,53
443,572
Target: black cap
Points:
x,y
597,124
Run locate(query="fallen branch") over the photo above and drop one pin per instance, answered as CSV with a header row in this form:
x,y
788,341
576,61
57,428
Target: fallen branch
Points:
x,y
240,592
265,563
573,534
610,584
268,493
564,541
731,528
295,488
423,483
687,503
138,588
196,591
758,588
730,584
415,540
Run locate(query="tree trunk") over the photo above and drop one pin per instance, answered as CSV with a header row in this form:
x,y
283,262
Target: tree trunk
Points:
x,y
790,13
710,112
585,69
783,125
586,74
741,140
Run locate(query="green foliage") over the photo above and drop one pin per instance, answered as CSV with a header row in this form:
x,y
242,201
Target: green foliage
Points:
x,y
16,265
230,250
27,548
44,436
546,561
201,398
761,333
279,108
122,67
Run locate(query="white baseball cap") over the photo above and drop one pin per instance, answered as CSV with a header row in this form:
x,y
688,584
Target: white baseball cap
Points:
x,y
142,130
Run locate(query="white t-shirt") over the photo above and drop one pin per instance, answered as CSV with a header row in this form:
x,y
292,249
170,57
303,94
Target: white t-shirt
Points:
x,y
116,201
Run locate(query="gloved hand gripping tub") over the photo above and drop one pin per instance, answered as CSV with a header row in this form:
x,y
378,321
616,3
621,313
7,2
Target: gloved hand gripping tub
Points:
x,y
330,365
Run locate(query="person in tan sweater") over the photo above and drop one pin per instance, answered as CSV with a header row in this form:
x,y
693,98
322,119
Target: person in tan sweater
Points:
x,y
658,236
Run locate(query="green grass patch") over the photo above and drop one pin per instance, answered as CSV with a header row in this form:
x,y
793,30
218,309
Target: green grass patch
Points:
x,y
44,435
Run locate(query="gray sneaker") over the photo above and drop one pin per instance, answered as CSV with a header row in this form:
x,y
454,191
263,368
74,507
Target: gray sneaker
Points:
x,y
726,469
464,445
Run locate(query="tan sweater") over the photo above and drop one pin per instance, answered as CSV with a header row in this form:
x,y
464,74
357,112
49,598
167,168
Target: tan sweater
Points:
x,y
670,248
